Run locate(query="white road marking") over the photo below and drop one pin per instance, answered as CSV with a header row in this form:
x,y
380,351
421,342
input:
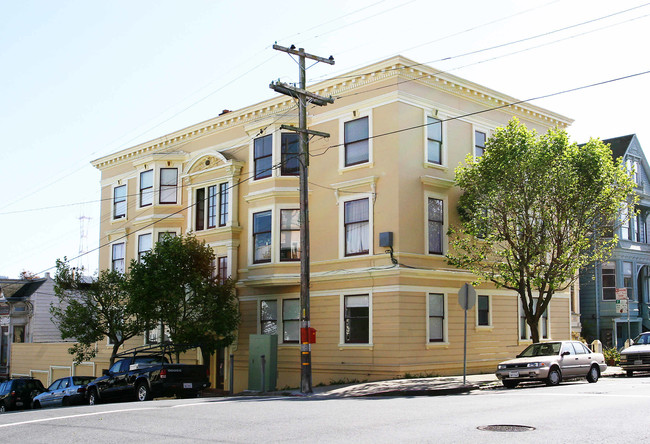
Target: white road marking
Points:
x,y
106,412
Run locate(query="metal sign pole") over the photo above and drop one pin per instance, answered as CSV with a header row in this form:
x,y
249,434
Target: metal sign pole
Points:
x,y
466,299
465,348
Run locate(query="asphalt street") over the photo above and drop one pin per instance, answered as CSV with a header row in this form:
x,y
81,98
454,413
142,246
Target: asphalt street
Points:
x,y
612,410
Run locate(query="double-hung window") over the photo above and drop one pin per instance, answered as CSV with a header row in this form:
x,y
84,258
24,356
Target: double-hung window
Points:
x,y
524,328
269,317
434,140
357,146
119,202
216,204
483,308
290,151
436,317
168,184
356,319
144,245
223,204
262,237
146,188
222,268
291,320
435,212
608,280
263,156
479,143
357,227
117,257
289,235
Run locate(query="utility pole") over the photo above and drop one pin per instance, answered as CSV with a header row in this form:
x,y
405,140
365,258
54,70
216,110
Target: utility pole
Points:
x,y
302,95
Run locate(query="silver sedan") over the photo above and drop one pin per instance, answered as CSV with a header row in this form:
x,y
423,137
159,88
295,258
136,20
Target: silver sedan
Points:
x,y
551,362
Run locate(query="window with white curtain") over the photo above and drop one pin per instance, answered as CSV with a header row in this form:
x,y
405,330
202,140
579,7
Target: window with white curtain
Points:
x,y
168,184
117,258
357,227
145,242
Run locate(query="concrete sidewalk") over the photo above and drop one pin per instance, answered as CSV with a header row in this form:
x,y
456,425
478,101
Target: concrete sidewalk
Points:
x,y
439,386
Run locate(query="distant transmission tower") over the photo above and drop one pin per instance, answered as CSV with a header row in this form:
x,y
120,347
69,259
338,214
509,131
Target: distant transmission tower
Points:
x,y
82,260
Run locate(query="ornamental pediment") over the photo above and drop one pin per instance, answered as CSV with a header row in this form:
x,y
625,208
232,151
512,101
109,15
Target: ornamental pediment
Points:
x,y
208,162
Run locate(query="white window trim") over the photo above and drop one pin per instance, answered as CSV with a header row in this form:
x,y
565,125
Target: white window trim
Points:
x,y
342,121
529,340
126,209
445,324
443,155
280,321
483,129
274,230
275,153
371,205
277,209
156,233
490,326
445,222
192,219
137,241
154,190
342,343
157,187
120,241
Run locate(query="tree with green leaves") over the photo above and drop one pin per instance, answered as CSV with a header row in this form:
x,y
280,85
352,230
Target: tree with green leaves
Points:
x,y
534,210
175,286
91,309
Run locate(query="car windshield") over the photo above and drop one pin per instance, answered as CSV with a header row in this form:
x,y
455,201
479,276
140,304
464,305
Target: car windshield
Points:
x,y
643,339
545,349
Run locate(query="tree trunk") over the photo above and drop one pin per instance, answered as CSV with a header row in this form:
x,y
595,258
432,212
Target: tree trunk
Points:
x,y
534,328
116,348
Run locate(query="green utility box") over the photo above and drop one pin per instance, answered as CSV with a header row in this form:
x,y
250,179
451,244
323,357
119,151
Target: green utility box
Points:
x,y
267,346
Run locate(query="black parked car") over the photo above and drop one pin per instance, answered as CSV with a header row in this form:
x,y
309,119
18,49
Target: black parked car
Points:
x,y
18,393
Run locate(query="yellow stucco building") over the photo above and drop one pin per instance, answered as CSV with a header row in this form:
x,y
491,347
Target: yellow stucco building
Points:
x,y
397,131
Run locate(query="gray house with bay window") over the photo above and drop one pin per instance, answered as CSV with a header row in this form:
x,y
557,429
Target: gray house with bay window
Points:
x,y
628,267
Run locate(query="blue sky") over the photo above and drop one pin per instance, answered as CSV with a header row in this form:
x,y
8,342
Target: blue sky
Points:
x,y
82,79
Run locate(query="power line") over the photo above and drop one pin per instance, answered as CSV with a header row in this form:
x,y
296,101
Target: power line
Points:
x,y
591,85
279,164
505,44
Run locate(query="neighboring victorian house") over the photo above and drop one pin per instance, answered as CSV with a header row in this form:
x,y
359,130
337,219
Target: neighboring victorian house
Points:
x,y
25,315
397,131
628,267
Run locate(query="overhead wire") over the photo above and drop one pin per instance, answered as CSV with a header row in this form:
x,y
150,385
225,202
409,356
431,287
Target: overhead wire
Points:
x,y
279,164
504,44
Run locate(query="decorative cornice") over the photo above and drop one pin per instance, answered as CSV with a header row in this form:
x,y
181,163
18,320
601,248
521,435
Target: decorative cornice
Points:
x,y
397,66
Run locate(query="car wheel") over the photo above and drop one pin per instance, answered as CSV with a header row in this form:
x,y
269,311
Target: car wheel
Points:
x,y
629,373
510,384
93,399
143,392
36,405
593,374
554,377
3,408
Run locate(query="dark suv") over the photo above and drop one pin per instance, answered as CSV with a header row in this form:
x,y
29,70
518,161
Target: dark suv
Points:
x,y
18,393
